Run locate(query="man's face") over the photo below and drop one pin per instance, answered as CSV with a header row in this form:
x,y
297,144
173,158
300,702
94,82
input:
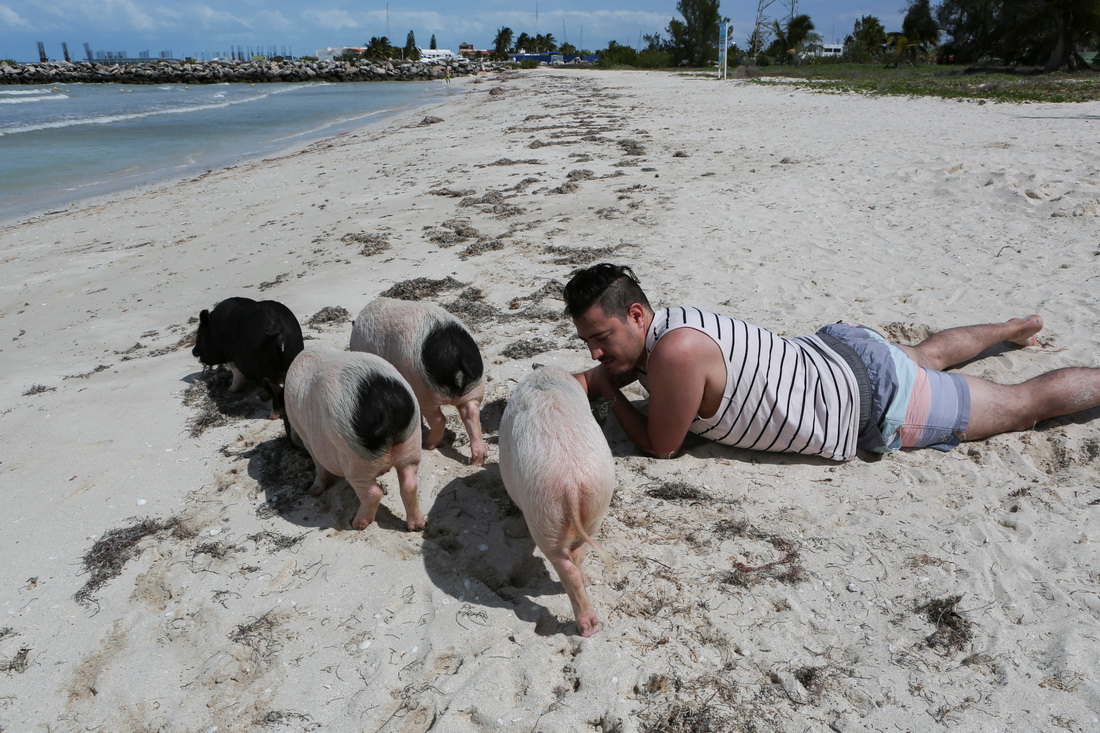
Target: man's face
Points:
x,y
615,343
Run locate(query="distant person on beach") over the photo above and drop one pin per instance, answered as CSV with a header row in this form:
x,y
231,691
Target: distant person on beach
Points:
x,y
823,395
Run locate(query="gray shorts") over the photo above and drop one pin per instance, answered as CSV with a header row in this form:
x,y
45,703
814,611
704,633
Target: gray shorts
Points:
x,y
908,406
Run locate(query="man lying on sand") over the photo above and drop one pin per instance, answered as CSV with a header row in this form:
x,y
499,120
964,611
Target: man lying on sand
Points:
x,y
823,395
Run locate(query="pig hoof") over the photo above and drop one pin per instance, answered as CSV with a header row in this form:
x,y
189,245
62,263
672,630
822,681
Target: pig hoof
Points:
x,y
588,625
362,523
478,456
317,488
416,524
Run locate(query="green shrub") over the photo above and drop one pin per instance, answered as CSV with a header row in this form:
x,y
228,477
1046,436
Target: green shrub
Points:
x,y
529,64
649,59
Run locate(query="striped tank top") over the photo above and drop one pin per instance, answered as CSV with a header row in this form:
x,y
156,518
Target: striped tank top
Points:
x,y
785,395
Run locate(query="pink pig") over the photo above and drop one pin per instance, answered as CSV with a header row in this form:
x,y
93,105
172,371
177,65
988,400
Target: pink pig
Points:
x,y
558,469
357,417
435,352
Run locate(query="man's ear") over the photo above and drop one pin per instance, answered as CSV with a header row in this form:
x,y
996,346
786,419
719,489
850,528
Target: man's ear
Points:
x,y
636,313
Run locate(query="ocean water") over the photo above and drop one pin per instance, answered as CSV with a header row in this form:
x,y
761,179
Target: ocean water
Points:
x,y
63,144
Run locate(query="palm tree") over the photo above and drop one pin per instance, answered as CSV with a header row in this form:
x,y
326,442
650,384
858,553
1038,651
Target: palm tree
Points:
x,y
790,39
379,49
502,43
546,43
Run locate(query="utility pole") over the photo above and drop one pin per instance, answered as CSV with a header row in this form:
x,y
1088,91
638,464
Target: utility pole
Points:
x,y
760,30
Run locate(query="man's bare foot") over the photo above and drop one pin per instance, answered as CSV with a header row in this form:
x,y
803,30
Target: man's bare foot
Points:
x,y
1028,327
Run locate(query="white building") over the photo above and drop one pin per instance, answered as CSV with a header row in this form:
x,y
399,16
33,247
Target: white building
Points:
x,y
436,54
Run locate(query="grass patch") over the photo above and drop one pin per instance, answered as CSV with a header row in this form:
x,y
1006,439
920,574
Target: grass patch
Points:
x,y
996,85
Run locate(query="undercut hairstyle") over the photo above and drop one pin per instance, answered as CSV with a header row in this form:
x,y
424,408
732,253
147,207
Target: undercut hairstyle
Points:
x,y
613,287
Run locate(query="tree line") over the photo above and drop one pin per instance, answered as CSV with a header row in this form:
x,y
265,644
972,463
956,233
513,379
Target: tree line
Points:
x,y
1051,34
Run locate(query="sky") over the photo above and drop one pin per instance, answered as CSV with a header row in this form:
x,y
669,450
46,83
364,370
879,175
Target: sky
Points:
x,y
203,30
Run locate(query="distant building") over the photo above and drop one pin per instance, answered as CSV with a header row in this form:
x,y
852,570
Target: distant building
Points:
x,y
467,50
436,54
826,50
330,52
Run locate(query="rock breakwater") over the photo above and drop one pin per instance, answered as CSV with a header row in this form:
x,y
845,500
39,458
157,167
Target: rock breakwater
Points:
x,y
218,72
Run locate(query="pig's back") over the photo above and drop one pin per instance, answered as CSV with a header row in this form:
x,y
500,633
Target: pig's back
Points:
x,y
390,328
348,407
427,344
550,444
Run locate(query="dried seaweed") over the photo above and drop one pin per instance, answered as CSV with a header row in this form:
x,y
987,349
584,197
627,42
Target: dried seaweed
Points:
x,y
953,632
579,255
676,491
329,315
259,636
525,348
420,288
482,246
110,553
372,243
18,663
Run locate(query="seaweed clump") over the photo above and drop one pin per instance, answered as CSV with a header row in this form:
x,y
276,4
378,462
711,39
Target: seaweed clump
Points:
x,y
420,288
110,553
953,632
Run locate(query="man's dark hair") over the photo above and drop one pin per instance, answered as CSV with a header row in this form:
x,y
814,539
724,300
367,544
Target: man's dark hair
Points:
x,y
613,287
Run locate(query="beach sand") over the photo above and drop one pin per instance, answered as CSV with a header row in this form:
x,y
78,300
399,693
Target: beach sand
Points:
x,y
164,569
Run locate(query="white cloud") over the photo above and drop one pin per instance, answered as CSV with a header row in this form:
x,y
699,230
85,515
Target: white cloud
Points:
x,y
276,20
217,20
12,19
331,19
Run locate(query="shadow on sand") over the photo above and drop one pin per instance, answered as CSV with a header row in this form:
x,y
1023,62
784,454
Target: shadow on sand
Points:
x,y
477,549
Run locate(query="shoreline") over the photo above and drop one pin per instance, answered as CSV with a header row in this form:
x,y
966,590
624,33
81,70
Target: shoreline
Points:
x,y
113,189
905,591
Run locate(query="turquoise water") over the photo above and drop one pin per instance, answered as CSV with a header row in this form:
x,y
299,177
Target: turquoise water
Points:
x,y
63,144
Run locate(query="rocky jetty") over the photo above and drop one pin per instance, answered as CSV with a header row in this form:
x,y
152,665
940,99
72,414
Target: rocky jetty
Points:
x,y
217,72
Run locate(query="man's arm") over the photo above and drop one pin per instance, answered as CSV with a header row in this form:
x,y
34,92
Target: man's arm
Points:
x,y
676,374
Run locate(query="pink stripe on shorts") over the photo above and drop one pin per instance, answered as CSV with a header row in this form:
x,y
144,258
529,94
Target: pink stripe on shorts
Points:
x,y
938,411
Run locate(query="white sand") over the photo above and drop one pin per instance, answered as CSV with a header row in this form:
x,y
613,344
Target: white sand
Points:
x,y
263,611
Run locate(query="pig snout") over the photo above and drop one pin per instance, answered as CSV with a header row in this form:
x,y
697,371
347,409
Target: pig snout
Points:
x,y
357,418
558,469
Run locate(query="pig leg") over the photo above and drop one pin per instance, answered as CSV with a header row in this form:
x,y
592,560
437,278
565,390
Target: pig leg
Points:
x,y
471,418
436,424
238,378
369,498
406,479
322,479
572,579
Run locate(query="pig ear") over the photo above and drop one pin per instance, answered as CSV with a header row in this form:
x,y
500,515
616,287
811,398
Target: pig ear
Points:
x,y
204,317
